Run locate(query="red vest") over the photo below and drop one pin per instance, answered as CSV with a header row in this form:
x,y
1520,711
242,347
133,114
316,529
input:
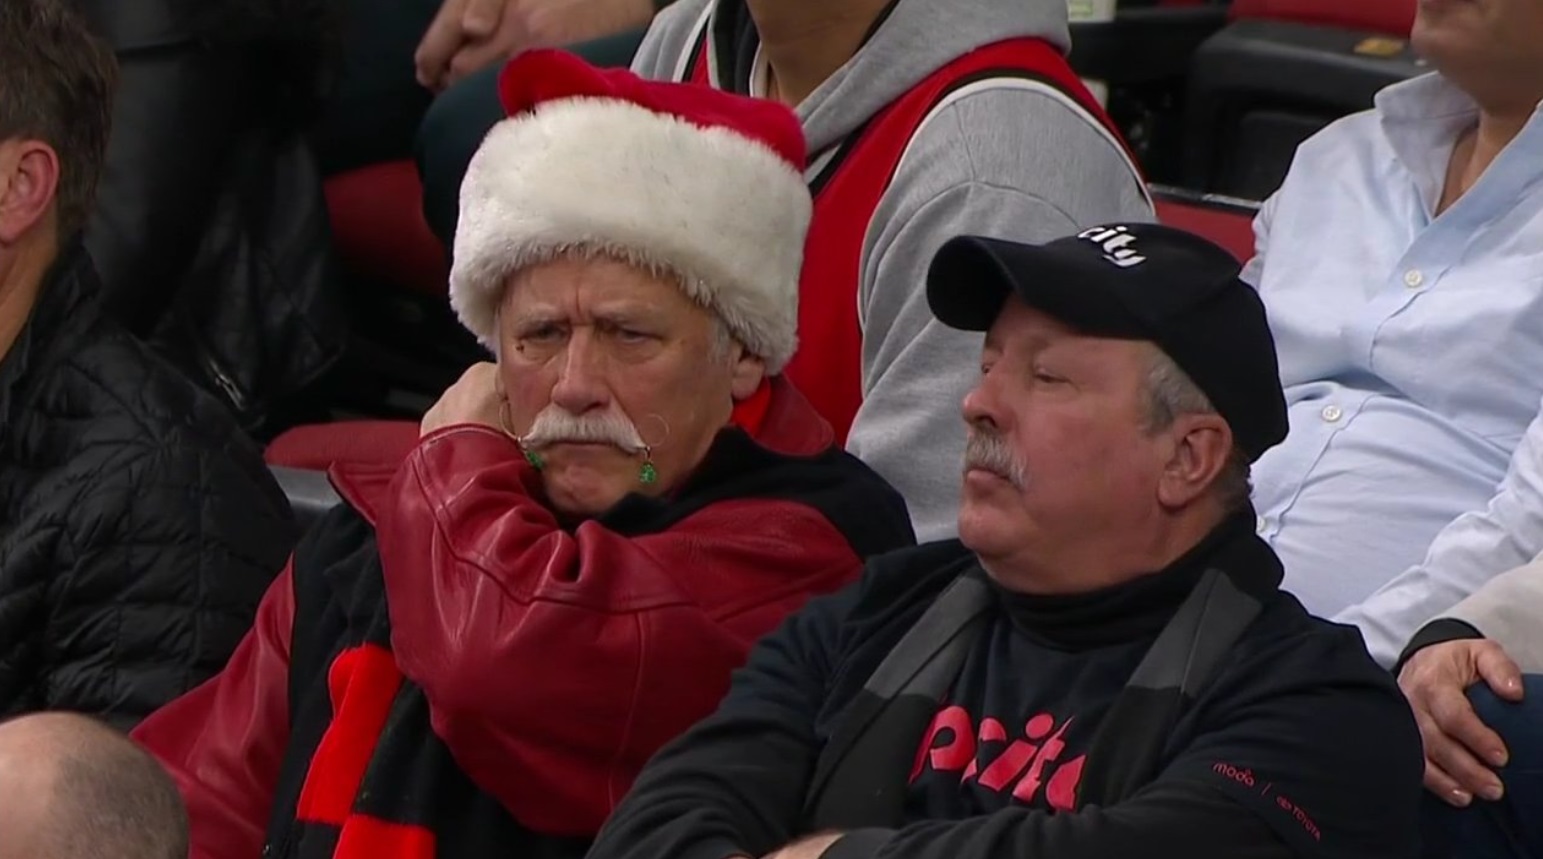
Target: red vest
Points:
x,y
828,365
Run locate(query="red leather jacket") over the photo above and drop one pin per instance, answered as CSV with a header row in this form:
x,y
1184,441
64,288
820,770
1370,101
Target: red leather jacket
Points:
x,y
554,661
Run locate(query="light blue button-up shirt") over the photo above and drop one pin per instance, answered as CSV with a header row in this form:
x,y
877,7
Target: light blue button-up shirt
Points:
x,y
1411,351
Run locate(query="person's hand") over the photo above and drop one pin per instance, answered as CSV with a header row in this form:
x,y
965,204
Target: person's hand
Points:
x,y
445,37
807,848
496,30
1460,750
474,399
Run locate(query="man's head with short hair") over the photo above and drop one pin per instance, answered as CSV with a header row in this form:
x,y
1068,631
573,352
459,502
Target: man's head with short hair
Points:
x,y
71,786
56,88
1128,379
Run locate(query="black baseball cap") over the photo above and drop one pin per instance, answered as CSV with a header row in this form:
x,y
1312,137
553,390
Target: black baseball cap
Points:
x,y
1137,281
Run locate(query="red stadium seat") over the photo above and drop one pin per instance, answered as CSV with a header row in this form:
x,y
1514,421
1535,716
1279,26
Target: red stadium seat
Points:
x,y
378,228
1227,222
318,446
1388,17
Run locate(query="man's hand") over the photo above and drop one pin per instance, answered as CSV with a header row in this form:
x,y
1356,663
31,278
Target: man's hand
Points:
x,y
491,31
807,848
443,40
474,399
1460,750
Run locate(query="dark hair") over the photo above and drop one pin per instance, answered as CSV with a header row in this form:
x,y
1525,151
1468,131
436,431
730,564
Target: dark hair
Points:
x,y
112,800
56,86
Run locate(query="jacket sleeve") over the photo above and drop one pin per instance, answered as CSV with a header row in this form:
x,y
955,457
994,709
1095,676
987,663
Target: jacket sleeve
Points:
x,y
556,663
224,741
169,552
735,784
1042,173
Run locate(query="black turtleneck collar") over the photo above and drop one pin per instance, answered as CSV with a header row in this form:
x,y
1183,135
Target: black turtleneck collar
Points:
x,y
1139,609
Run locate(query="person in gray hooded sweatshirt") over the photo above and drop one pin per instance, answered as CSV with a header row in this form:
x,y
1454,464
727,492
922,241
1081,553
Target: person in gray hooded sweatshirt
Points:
x,y
925,120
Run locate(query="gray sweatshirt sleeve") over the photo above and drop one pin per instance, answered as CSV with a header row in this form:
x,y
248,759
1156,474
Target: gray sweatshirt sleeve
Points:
x,y
1003,163
665,43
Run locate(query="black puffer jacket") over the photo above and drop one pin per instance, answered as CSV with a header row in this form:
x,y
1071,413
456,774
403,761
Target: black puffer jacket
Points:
x,y
138,526
210,233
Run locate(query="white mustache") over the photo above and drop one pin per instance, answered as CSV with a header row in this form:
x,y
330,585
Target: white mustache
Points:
x,y
990,453
556,426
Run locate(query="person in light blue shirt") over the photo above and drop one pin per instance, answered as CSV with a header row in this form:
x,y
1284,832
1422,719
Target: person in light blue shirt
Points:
x,y
1402,267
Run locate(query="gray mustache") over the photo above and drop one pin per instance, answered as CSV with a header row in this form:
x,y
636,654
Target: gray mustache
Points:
x,y
555,426
990,453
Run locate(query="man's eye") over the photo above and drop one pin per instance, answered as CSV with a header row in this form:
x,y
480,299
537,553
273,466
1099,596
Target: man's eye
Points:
x,y
1047,378
629,335
541,333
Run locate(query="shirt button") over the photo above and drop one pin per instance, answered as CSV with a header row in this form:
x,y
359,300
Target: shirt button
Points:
x,y
1414,278
1262,525
1332,413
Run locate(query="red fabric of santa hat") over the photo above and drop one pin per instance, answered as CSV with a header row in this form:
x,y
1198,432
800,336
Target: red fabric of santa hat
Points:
x,y
681,178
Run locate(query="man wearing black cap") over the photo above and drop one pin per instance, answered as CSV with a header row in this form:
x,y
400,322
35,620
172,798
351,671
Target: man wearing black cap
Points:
x,y
1103,665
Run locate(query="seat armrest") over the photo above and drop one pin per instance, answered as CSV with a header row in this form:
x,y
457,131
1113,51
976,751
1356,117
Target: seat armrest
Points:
x,y
310,493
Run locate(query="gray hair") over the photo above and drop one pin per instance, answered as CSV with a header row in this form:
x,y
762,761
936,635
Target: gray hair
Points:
x,y
1171,394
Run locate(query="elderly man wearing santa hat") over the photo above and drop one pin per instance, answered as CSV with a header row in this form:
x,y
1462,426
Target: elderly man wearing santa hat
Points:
x,y
476,654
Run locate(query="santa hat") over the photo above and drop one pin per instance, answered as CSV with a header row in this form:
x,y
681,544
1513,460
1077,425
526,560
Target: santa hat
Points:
x,y
679,178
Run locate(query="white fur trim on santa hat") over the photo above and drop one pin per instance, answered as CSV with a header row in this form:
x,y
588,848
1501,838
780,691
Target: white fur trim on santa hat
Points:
x,y
722,210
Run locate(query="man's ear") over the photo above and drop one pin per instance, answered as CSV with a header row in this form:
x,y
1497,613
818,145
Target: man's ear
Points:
x,y
749,372
1201,446
29,180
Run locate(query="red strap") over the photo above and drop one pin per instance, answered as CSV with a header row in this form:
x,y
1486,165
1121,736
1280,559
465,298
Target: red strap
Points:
x,y
700,69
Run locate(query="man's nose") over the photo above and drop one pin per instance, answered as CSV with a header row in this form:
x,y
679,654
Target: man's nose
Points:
x,y
981,404
581,384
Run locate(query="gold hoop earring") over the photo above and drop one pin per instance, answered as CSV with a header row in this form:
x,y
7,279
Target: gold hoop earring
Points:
x,y
531,456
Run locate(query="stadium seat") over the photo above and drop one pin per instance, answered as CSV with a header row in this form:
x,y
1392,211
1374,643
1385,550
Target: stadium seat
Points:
x,y
309,492
1388,17
1142,59
318,446
379,231
1227,221
1276,75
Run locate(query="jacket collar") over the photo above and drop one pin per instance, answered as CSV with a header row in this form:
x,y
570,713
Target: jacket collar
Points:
x,y
790,425
65,307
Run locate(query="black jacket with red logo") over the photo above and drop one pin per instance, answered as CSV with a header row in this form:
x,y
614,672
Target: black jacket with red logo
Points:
x,y
1299,746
